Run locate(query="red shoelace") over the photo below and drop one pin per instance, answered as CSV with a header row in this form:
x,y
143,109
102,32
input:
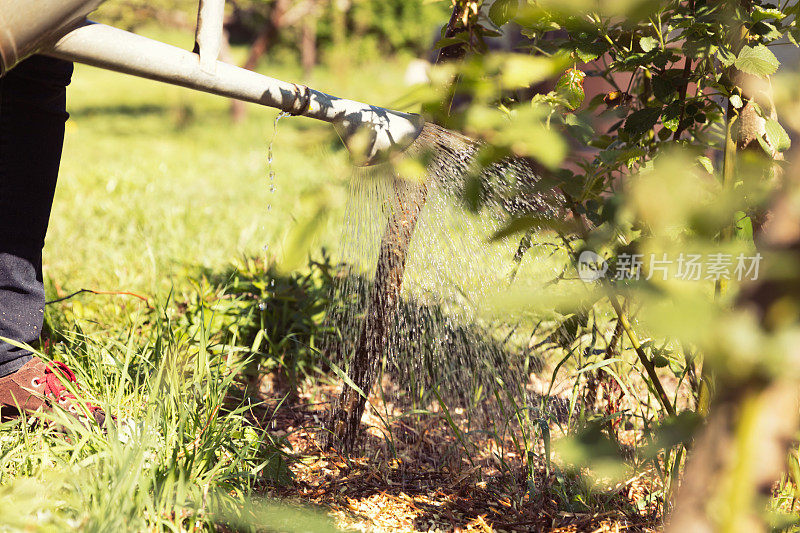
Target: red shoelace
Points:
x,y
55,388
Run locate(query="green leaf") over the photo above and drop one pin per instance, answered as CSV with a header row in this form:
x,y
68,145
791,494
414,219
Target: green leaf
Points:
x,y
791,36
757,60
502,11
525,134
698,46
672,116
663,89
705,162
641,121
757,108
648,43
673,431
761,13
599,364
588,51
766,31
579,128
764,146
659,361
302,234
343,376
459,38
612,157
726,56
777,136
570,88
518,71
525,223
736,101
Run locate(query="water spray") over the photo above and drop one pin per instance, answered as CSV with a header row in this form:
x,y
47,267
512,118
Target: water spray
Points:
x,y
59,28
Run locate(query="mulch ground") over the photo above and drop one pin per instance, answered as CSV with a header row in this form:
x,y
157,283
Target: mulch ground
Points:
x,y
424,483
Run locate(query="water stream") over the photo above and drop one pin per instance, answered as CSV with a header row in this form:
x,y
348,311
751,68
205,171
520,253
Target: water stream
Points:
x,y
447,342
270,154
272,188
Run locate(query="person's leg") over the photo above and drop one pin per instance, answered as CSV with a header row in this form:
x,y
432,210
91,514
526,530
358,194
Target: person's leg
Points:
x,y
32,117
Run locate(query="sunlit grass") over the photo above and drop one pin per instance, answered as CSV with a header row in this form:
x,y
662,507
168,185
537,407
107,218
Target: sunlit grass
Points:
x,y
157,181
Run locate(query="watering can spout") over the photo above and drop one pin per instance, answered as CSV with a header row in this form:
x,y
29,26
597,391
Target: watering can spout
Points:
x,y
58,28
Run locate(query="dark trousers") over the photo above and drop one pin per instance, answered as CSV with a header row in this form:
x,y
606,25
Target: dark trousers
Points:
x,y
32,117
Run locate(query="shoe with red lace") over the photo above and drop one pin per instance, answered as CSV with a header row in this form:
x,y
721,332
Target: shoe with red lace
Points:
x,y
39,386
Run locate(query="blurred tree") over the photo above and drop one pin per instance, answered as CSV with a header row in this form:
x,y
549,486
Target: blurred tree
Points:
x,y
274,20
393,26
132,14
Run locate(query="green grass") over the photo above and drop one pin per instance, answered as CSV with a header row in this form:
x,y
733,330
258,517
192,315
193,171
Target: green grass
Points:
x,y
156,180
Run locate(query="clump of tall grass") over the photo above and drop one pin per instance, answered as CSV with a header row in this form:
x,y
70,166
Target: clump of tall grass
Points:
x,y
180,455
275,319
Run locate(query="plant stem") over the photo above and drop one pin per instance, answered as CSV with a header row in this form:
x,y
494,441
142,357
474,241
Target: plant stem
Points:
x,y
728,176
687,72
728,173
648,365
626,325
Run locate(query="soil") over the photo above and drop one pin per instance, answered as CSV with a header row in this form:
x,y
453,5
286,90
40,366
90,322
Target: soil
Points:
x,y
418,479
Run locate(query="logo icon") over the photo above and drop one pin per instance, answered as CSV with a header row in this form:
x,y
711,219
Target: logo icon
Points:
x,y
591,266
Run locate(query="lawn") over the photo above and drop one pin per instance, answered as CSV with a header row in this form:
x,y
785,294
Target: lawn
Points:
x,y
156,181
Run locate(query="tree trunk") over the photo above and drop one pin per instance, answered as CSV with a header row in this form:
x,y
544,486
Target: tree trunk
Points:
x,y
381,307
339,9
259,47
308,44
384,299
753,419
737,459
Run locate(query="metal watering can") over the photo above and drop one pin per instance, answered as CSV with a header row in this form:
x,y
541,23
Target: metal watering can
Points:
x,y
59,28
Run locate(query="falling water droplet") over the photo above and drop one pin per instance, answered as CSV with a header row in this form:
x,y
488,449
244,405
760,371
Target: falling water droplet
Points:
x,y
270,154
271,172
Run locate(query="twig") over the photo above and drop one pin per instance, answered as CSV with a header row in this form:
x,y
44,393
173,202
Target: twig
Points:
x,y
93,291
